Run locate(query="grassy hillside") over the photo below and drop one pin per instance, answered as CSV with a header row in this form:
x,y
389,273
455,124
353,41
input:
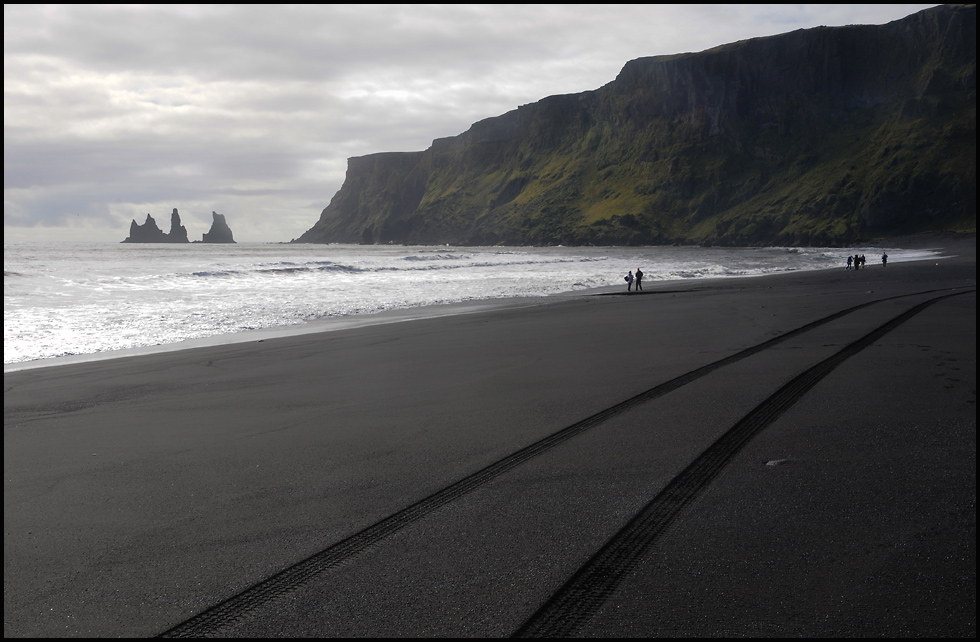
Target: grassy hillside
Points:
x,y
818,137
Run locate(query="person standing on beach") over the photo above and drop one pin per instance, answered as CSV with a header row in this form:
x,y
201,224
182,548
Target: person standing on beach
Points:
x,y
629,281
849,259
884,259
639,280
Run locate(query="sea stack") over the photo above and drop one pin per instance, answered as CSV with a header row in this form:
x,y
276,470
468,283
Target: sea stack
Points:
x,y
178,233
220,232
148,232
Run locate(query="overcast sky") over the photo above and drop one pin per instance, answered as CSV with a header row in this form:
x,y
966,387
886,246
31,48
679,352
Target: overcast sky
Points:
x,y
113,112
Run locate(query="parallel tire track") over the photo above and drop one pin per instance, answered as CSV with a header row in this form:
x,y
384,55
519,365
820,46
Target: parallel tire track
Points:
x,y
583,594
239,606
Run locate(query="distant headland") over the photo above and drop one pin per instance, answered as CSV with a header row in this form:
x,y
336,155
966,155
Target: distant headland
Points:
x,y
149,232
817,137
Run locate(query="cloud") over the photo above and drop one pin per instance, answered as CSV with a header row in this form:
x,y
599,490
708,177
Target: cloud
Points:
x,y
111,112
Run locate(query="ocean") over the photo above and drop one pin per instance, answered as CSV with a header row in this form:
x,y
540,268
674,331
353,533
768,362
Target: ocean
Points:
x,y
77,299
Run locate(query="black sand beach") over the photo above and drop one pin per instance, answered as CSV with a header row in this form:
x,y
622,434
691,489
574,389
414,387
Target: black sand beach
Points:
x,y
677,462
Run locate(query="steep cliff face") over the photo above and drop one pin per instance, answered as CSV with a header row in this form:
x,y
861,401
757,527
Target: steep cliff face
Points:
x,y
821,136
381,192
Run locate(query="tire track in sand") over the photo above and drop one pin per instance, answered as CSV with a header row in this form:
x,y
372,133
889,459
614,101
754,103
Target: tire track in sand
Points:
x,y
583,594
237,607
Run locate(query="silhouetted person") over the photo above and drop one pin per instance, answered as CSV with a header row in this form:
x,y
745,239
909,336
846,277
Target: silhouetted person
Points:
x,y
857,262
639,280
849,259
884,260
629,281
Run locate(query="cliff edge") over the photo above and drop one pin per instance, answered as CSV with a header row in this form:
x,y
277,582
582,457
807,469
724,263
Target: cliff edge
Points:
x,y
821,136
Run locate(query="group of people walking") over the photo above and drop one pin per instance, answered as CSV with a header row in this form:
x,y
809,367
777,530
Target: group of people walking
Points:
x,y
636,279
858,261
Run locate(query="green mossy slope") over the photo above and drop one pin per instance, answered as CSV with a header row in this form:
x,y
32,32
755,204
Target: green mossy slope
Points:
x,y
824,136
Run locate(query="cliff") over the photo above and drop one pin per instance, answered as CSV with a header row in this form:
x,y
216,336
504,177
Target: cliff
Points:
x,y
822,136
150,233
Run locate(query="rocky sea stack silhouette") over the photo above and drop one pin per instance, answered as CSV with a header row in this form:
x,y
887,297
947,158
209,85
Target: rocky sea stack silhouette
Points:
x,y
220,232
148,232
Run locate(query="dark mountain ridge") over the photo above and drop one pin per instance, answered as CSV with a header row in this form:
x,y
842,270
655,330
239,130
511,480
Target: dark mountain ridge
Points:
x,y
821,136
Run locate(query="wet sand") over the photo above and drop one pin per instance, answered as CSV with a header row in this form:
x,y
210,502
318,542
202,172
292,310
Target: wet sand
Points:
x,y
448,476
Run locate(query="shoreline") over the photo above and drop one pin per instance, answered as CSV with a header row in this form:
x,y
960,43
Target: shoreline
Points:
x,y
935,241
330,324
141,492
